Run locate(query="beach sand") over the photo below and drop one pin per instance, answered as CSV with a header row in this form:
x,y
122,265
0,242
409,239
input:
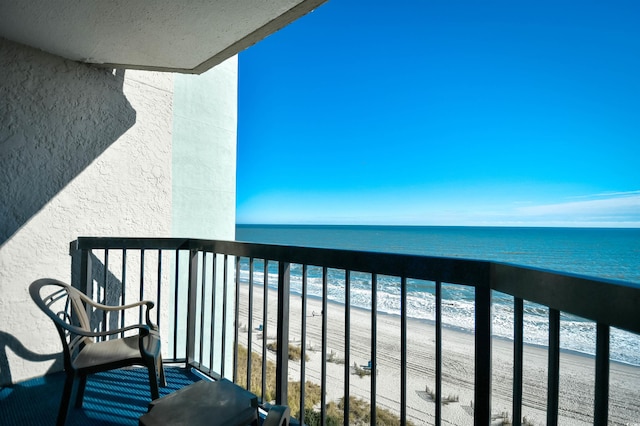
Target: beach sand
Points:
x,y
576,371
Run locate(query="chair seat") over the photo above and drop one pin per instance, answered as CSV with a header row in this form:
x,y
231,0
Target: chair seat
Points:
x,y
115,351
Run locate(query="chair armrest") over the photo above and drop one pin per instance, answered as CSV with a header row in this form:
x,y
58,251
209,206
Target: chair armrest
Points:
x,y
148,303
144,330
97,305
109,308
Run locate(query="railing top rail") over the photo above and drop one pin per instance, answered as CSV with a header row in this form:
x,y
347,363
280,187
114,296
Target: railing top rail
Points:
x,y
450,270
84,243
606,301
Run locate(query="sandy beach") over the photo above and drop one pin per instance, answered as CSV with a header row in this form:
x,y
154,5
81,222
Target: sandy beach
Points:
x,y
576,381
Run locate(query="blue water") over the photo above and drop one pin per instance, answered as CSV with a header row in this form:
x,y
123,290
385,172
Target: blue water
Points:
x,y
605,253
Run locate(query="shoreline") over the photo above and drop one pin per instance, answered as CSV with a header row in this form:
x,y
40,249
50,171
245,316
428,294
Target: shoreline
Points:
x,y
577,370
445,326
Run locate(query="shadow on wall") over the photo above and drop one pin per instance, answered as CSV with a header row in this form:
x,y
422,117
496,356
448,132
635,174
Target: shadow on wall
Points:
x,y
9,342
109,293
56,117
108,289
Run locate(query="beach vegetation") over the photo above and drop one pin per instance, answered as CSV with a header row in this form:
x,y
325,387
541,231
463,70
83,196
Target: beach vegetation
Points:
x,y
312,390
312,418
359,414
359,410
312,394
333,357
450,398
256,374
445,399
504,417
295,352
431,393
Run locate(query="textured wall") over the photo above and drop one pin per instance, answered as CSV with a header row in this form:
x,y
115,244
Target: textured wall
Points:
x,y
205,111
83,151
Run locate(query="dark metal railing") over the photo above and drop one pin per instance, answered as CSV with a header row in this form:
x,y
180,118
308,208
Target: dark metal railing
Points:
x,y
196,286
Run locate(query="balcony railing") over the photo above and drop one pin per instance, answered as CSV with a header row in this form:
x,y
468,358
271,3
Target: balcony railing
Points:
x,y
206,290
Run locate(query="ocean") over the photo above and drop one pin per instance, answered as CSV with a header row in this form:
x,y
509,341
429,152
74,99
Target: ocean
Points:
x,y
604,253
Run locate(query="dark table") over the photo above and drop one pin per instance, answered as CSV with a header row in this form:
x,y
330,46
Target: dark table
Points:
x,y
204,403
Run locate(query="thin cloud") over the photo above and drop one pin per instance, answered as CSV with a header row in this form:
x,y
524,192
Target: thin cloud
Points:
x,y
622,204
607,195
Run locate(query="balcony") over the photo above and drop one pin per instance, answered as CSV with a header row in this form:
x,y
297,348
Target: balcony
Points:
x,y
213,304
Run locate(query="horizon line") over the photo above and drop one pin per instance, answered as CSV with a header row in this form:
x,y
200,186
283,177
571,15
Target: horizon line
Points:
x,y
577,226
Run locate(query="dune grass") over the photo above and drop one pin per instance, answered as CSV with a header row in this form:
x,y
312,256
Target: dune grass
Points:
x,y
295,352
359,410
360,414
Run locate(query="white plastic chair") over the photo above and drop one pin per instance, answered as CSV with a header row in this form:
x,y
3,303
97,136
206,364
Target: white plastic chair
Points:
x,y
83,354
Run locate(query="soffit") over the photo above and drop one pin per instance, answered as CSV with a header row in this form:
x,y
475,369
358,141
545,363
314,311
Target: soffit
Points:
x,y
188,36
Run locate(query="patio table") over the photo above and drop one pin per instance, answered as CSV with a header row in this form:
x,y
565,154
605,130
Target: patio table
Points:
x,y
204,403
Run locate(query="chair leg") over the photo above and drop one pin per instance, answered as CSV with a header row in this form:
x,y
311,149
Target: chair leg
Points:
x,y
80,391
160,366
153,379
66,399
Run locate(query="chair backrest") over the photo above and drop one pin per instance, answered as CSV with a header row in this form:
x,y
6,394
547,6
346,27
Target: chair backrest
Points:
x,y
63,304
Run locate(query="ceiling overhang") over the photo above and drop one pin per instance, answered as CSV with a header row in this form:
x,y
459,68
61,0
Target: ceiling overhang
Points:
x,y
189,36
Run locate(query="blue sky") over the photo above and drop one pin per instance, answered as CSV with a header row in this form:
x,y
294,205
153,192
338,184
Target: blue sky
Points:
x,y
444,112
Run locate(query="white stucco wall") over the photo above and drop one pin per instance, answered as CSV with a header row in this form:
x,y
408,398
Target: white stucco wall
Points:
x,y
204,172
204,153
94,152
83,152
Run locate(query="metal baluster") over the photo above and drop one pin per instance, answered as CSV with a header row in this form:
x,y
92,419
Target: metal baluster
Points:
x,y
482,392
250,324
224,313
518,332
123,287
265,297
203,286
236,322
553,391
105,279
374,343
403,350
191,306
141,284
347,341
303,342
282,326
176,304
438,353
159,299
601,405
214,280
323,374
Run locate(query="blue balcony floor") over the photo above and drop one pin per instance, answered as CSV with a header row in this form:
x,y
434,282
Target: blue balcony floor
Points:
x,y
118,397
